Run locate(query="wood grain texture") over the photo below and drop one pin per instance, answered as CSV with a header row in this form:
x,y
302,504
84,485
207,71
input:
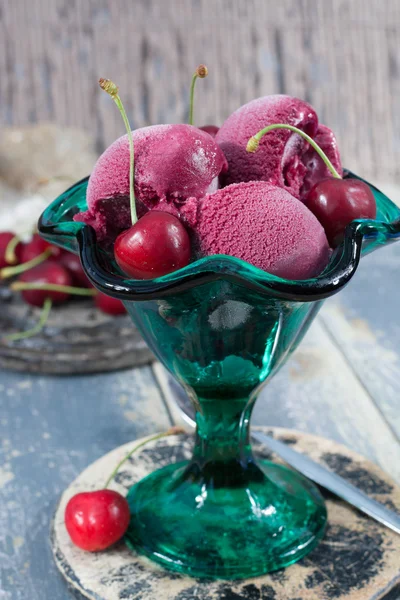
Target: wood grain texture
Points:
x,y
341,55
363,322
50,430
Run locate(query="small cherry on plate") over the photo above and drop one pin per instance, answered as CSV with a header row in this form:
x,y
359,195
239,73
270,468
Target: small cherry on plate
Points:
x,y
96,520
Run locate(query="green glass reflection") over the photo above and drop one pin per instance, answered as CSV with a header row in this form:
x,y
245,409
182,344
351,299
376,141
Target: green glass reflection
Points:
x,y
223,514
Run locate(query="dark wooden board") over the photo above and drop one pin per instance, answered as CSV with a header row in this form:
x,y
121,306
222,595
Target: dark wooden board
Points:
x,y
76,339
358,559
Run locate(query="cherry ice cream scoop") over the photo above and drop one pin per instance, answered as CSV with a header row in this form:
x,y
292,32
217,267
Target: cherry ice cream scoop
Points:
x,y
263,225
284,158
156,243
172,164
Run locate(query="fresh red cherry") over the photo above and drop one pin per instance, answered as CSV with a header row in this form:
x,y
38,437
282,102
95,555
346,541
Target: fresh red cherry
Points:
x,y
37,246
211,129
155,245
73,265
337,202
46,272
109,305
96,520
5,239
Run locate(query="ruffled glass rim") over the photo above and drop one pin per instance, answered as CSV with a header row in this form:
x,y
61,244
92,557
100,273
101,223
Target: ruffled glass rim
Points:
x,y
56,225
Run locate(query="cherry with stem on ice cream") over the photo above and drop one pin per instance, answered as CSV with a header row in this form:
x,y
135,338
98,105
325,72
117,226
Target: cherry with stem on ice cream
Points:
x,y
337,203
112,90
97,520
334,201
156,244
159,244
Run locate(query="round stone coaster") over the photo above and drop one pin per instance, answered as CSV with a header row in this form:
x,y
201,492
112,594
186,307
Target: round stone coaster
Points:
x,y
358,559
77,338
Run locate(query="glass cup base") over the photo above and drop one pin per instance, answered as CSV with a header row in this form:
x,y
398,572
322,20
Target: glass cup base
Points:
x,y
267,520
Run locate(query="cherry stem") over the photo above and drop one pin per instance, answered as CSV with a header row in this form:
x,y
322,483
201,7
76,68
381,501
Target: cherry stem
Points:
x,y
171,431
9,254
7,272
37,328
20,286
201,72
111,89
254,142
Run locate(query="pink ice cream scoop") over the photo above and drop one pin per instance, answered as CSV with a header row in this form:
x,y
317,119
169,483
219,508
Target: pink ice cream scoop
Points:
x,y
283,158
263,225
172,163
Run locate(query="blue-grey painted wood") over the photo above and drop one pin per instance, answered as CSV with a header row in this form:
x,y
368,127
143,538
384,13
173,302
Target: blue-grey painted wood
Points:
x,y
50,430
364,322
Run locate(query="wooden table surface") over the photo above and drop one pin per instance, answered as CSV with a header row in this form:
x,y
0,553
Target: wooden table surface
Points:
x,y
341,383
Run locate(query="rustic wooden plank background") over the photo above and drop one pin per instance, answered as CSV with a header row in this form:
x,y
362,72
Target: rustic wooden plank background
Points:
x,y
341,55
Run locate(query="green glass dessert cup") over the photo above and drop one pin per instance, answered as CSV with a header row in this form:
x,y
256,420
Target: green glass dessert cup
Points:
x,y
221,327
